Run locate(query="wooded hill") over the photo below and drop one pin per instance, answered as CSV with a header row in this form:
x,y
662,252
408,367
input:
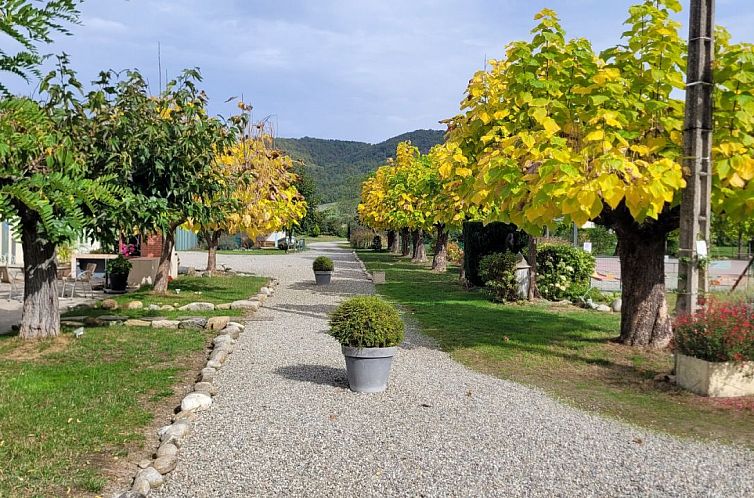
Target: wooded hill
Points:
x,y
339,166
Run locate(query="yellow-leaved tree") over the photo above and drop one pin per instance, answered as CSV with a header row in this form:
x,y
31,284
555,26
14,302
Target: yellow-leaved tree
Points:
x,y
555,131
260,195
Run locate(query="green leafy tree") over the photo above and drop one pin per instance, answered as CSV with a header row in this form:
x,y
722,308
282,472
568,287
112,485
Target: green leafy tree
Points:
x,y
165,148
555,130
50,190
29,24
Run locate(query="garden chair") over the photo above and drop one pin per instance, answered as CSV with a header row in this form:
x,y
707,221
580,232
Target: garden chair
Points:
x,y
84,280
13,277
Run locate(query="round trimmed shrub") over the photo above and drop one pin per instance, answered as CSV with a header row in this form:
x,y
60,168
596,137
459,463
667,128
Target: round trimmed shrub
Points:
x,y
498,270
323,263
563,271
367,322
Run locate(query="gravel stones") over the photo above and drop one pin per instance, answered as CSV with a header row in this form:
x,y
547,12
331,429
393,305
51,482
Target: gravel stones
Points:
x,y
285,424
217,322
196,402
198,307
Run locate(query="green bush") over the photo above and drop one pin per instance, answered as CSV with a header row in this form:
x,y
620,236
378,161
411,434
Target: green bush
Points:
x,y
323,263
119,266
361,238
315,231
563,271
367,322
480,239
498,270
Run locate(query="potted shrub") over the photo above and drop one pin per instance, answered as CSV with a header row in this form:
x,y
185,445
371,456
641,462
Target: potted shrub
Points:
x,y
117,271
323,268
369,330
714,350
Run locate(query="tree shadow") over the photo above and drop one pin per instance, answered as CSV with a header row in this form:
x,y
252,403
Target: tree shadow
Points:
x,y
337,287
309,310
315,374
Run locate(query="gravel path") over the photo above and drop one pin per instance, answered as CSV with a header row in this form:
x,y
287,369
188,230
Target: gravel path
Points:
x,y
285,424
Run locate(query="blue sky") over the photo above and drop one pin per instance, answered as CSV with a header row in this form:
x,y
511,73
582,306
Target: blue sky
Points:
x,y
347,69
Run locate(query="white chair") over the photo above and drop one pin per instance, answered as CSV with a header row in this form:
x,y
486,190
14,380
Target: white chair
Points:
x,y
83,280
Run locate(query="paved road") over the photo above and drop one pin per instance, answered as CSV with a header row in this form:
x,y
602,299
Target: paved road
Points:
x,y
285,424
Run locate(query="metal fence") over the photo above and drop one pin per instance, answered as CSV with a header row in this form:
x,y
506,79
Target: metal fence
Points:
x,y
185,240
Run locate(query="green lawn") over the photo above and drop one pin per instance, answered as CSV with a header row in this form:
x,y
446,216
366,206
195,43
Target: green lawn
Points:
x,y
218,289
71,409
563,350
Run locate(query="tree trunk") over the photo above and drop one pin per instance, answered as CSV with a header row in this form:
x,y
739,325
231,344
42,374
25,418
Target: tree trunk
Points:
x,y
419,253
644,313
440,259
163,270
533,289
213,240
392,241
41,317
404,242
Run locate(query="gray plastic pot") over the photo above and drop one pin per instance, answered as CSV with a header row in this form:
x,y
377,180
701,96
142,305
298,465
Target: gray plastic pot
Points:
x,y
368,368
322,277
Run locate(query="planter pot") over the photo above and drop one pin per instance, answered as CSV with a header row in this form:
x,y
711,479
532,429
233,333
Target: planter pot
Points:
x,y
718,379
322,277
368,368
118,282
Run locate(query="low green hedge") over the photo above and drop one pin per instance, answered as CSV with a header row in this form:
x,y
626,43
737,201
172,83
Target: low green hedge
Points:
x,y
367,322
323,263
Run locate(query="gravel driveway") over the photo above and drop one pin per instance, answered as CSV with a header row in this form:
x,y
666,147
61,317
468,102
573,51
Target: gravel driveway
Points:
x,y
285,424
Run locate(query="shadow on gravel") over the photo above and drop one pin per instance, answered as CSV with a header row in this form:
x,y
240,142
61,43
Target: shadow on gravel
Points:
x,y
311,310
316,374
337,287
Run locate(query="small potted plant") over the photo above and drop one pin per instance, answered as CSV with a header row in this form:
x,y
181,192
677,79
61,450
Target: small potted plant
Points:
x,y
117,271
369,330
323,268
714,350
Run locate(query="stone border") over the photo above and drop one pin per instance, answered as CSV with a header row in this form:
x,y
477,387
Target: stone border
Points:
x,y
152,472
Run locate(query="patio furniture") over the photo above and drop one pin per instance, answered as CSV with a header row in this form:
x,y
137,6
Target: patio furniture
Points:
x,y
83,280
14,277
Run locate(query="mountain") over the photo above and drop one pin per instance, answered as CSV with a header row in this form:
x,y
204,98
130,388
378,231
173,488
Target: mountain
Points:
x,y
338,166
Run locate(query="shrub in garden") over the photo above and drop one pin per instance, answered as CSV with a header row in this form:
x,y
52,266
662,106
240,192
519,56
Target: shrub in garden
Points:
x,y
498,270
323,263
563,271
480,239
455,253
377,243
361,238
367,322
719,332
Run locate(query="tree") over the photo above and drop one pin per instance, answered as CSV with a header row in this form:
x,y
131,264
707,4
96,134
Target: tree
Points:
x,y
167,146
29,24
556,131
49,189
261,196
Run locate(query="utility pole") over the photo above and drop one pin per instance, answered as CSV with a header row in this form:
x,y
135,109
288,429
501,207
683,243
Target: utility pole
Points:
x,y
697,167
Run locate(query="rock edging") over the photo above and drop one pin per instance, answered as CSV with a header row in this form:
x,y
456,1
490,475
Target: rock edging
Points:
x,y
151,474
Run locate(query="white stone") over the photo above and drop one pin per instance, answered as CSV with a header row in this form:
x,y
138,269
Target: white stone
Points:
x,y
236,324
167,449
217,322
141,486
165,464
196,402
200,306
266,291
151,476
617,305
165,324
245,304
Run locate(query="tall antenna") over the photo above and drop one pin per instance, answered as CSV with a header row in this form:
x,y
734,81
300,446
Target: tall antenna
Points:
x,y
159,65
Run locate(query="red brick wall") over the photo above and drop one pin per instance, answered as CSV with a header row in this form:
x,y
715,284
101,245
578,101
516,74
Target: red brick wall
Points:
x,y
151,246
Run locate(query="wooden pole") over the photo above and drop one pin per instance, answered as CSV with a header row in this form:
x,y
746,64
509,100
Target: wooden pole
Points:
x,y
697,143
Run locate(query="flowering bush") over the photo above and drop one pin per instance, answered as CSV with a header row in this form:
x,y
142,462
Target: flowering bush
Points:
x,y
499,273
719,332
563,271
